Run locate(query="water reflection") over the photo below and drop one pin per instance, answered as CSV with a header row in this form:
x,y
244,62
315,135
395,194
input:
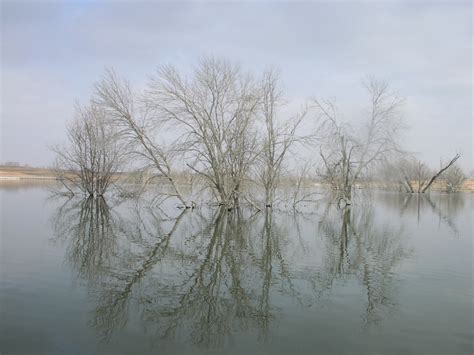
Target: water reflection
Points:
x,y
356,246
445,207
89,227
216,294
202,276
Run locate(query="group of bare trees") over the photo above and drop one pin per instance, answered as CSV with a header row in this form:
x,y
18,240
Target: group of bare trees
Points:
x,y
414,176
220,124
350,153
225,127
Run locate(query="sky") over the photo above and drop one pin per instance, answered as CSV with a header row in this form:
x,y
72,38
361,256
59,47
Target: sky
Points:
x,y
52,53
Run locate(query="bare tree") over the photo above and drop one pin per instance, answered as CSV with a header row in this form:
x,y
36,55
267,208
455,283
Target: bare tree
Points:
x,y
302,193
214,111
348,152
416,177
454,178
93,156
412,174
440,171
277,139
137,128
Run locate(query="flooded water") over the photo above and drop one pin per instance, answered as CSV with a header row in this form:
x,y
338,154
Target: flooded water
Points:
x,y
391,275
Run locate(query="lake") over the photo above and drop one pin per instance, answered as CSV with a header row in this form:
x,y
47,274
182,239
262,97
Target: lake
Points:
x,y
391,275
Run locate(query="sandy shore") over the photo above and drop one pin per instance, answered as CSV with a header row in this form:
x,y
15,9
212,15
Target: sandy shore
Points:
x,y
8,173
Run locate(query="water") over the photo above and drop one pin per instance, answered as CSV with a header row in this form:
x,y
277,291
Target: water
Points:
x,y
391,275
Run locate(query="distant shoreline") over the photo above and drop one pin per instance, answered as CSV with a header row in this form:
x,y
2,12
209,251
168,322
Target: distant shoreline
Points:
x,y
21,173
14,173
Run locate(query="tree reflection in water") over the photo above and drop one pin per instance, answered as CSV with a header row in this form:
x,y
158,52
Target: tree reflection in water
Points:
x,y
358,247
204,275
444,206
90,229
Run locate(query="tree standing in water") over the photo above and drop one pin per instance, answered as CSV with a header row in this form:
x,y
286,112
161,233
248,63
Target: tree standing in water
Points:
x,y
348,152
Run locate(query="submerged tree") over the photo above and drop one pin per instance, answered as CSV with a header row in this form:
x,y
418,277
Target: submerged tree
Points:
x,y
214,112
412,174
442,169
415,177
278,137
348,152
93,156
138,129
215,117
454,178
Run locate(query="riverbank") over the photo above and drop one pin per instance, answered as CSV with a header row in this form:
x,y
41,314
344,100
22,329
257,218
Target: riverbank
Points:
x,y
16,173
12,173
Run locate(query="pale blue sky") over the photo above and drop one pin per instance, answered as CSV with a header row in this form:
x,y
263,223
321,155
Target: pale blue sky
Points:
x,y
53,52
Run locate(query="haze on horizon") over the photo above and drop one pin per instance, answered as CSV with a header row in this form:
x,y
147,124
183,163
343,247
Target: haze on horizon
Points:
x,y
52,53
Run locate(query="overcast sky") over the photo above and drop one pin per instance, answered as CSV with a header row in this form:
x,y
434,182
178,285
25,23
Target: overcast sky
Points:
x,y
52,53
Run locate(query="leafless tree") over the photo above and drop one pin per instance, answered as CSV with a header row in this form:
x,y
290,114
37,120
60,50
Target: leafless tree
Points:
x,y
442,169
454,178
347,151
277,139
214,111
302,193
416,177
412,174
131,115
93,156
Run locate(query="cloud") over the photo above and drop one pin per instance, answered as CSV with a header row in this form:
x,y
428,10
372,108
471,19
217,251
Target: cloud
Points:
x,y
33,117
321,49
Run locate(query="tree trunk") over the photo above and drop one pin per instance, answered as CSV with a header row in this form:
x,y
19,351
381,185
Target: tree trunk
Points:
x,y
435,176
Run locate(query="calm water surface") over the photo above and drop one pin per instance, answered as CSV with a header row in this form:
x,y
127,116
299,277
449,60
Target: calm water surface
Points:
x,y
392,275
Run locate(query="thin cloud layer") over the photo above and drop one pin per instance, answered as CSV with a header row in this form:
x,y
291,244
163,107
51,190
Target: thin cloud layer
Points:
x,y
52,54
